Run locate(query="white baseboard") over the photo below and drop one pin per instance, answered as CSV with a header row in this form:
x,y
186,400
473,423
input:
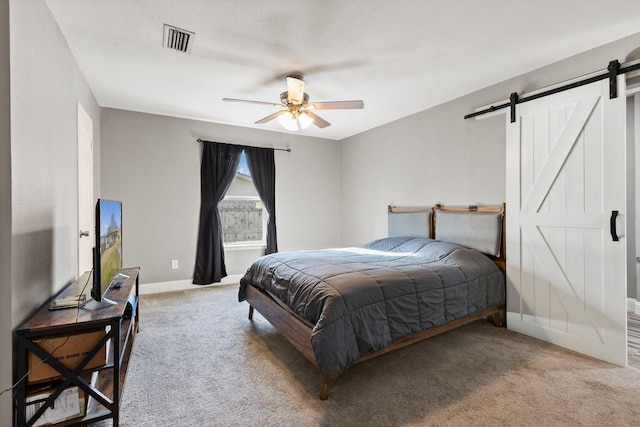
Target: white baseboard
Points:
x,y
633,305
183,285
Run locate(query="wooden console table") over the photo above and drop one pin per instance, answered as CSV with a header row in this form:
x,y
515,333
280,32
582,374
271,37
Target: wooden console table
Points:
x,y
120,324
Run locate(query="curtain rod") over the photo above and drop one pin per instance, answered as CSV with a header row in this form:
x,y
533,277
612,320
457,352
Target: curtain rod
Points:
x,y
288,150
614,69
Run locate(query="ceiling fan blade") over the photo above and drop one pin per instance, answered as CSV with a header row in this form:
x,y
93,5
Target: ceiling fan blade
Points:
x,y
270,117
273,104
317,120
335,105
295,89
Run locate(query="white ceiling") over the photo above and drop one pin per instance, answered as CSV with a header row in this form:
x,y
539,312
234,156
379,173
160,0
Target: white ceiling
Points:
x,y
399,57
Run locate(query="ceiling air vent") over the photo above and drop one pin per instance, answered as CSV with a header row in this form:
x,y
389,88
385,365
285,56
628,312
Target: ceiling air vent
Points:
x,y
177,38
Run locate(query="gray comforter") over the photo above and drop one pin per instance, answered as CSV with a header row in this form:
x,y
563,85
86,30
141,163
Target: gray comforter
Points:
x,y
360,300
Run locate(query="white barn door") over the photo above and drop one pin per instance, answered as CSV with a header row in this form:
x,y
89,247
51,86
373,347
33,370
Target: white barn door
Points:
x,y
566,276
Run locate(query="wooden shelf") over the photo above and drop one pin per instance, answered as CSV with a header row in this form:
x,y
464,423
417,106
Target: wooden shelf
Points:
x,y
120,328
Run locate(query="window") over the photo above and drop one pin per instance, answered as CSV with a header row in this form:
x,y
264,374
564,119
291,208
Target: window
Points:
x,y
242,213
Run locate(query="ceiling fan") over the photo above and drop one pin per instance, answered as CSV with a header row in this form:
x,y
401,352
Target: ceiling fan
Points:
x,y
297,112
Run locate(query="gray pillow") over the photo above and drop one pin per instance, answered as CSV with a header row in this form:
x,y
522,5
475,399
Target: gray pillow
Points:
x,y
477,230
410,224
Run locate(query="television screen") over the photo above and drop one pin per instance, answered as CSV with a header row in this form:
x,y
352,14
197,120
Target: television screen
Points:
x,y
108,251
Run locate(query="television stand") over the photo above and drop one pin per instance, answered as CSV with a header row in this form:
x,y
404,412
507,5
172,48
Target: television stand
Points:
x,y
115,324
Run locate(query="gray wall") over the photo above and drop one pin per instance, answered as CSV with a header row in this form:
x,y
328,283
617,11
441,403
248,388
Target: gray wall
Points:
x,y
5,217
46,84
420,160
152,164
38,182
437,157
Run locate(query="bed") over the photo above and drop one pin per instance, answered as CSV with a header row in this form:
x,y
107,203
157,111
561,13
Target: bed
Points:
x,y
438,269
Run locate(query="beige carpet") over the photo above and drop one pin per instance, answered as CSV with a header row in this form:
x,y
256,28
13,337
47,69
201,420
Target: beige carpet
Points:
x,y
198,361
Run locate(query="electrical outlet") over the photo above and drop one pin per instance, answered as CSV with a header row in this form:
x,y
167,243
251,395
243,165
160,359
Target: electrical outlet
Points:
x,y
174,264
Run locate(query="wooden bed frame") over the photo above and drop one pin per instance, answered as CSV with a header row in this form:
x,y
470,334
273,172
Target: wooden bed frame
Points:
x,y
299,333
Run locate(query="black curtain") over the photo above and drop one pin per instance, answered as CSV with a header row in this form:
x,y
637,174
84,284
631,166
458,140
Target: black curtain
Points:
x,y
262,165
219,165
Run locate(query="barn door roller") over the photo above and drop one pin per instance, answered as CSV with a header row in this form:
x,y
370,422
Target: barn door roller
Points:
x,y
614,69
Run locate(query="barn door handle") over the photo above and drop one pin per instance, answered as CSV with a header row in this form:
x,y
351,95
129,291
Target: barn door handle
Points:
x,y
614,233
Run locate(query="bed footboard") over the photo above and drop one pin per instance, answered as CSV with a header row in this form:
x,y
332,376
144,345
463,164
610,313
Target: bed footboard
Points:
x,y
296,332
299,334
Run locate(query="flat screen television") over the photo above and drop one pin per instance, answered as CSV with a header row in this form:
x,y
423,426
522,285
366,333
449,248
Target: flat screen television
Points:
x,y
107,259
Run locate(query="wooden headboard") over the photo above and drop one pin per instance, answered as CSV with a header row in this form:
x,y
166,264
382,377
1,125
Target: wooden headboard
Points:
x,y
413,215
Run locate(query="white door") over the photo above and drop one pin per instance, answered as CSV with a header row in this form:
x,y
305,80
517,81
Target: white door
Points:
x,y
86,230
566,276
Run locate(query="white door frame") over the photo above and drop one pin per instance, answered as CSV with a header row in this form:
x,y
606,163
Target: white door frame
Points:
x,y
633,302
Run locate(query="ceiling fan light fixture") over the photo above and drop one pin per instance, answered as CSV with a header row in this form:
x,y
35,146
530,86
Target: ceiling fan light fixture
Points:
x,y
288,121
305,120
297,112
